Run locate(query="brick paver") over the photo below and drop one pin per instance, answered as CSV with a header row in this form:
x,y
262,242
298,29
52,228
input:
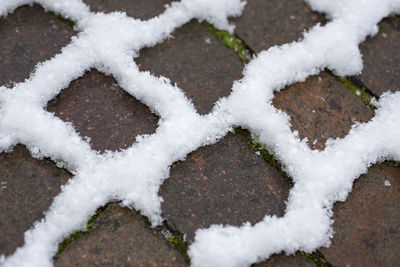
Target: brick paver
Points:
x,y
265,23
99,109
367,225
28,187
197,62
321,108
226,183
381,57
282,260
140,9
120,237
28,36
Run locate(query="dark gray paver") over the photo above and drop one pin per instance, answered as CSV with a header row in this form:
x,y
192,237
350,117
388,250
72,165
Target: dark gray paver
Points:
x,y
28,36
120,237
321,108
141,9
265,23
283,260
100,109
28,187
226,183
197,62
381,56
367,224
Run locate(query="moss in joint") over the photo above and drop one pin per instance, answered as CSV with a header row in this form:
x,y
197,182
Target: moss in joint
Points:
x,y
63,19
269,157
232,42
87,229
180,246
317,258
360,93
392,163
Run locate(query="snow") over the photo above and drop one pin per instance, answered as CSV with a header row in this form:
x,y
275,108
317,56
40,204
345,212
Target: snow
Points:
x,y
387,183
109,42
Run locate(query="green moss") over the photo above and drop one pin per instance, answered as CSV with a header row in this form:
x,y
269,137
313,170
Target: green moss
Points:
x,y
269,157
63,19
392,163
68,240
179,245
317,258
232,42
360,93
87,229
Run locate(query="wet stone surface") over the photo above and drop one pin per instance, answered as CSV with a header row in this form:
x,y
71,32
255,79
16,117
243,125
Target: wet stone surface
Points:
x,y
120,237
28,36
197,62
265,23
381,58
226,183
283,260
28,187
141,9
321,108
367,225
99,109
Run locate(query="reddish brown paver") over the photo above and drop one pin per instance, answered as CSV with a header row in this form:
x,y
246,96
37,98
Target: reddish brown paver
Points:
x,y
381,57
197,62
120,237
28,187
367,225
141,9
265,23
283,260
100,109
225,183
321,108
29,35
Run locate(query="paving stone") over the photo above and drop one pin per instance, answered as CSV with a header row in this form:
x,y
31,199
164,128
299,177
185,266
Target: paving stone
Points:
x,y
381,57
141,9
29,35
100,109
367,224
120,237
321,108
226,183
265,23
283,260
197,62
28,187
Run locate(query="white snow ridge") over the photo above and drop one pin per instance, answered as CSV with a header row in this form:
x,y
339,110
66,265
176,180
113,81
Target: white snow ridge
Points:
x,y
135,174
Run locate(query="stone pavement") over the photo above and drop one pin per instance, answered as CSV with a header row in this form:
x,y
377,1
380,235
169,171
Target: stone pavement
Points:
x,y
233,181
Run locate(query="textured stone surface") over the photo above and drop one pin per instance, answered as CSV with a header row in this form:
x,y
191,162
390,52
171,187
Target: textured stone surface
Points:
x,y
141,9
282,260
367,225
265,23
226,183
120,237
321,108
197,62
29,35
28,187
100,109
381,57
